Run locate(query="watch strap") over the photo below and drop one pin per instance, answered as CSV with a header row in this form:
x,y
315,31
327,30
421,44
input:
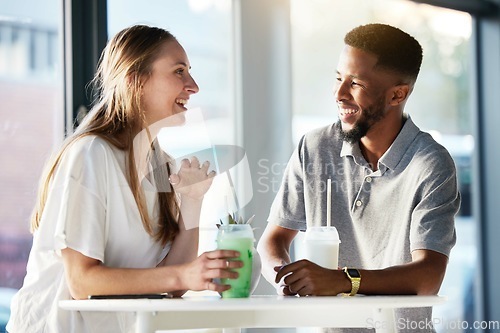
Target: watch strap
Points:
x,y
355,281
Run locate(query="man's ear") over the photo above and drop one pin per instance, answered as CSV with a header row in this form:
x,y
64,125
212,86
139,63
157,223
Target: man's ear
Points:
x,y
399,94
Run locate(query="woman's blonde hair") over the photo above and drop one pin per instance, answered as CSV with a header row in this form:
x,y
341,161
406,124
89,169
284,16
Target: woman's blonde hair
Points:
x,y
116,116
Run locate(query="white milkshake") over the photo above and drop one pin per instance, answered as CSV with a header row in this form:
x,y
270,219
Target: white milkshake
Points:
x,y
322,246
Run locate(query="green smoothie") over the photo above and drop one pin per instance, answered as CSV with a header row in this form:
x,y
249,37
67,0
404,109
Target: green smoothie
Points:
x,y
240,287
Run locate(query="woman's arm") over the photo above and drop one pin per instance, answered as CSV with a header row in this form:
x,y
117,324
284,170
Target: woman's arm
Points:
x,y
180,270
184,247
87,276
191,183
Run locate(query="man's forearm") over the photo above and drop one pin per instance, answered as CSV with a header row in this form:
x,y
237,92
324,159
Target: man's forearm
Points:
x,y
423,276
271,260
274,249
273,254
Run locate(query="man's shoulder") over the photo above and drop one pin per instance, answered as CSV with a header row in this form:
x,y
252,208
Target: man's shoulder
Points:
x,y
426,143
429,151
423,143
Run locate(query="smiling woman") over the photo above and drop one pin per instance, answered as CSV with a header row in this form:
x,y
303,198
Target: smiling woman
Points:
x,y
93,205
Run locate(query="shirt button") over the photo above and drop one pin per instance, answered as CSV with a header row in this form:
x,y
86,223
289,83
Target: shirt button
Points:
x,y
358,203
368,179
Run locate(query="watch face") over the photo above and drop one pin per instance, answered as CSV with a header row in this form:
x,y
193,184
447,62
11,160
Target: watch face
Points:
x,y
353,272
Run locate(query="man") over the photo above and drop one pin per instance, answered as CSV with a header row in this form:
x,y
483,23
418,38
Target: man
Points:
x,y
394,189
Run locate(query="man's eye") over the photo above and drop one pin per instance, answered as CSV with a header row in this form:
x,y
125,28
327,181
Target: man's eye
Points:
x,y
354,83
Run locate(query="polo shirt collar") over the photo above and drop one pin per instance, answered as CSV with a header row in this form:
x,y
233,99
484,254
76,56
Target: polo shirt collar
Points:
x,y
393,155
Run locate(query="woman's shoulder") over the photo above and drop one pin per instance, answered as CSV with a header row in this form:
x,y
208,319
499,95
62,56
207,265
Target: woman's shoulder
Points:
x,y
91,145
88,150
91,142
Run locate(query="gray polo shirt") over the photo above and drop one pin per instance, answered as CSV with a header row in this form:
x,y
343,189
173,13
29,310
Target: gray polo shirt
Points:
x,y
409,203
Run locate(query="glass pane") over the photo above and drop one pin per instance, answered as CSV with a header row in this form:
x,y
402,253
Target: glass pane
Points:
x,y
203,28
440,103
31,123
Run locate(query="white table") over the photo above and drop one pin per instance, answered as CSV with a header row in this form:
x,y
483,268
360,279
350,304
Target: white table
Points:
x,y
258,311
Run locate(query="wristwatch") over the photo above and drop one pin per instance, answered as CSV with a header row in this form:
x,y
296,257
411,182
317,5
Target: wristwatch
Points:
x,y
355,277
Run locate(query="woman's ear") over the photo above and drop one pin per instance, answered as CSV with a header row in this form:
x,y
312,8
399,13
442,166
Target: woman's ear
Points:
x,y
135,82
132,79
399,94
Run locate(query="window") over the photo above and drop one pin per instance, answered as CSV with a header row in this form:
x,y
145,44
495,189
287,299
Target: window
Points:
x,y
440,103
30,65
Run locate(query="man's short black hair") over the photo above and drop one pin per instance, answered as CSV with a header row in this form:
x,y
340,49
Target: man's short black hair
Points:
x,y
396,50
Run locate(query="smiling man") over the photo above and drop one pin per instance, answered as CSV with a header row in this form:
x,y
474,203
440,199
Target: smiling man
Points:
x,y
394,195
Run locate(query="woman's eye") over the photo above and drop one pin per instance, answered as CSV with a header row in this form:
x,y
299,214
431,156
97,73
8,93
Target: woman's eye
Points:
x,y
180,71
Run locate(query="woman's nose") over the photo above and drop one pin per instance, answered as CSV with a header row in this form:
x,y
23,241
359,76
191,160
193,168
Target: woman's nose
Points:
x,y
192,86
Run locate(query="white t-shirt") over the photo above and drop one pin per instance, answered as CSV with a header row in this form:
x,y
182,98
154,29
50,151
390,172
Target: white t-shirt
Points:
x,y
90,208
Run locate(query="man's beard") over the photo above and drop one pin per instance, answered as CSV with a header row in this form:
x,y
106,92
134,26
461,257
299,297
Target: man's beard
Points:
x,y
355,134
370,116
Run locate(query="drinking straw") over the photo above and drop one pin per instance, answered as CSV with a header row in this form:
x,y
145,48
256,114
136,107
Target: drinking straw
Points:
x,y
233,190
226,205
231,184
329,203
216,160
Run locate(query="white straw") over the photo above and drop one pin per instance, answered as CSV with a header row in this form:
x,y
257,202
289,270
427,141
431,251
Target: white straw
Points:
x,y
329,203
226,207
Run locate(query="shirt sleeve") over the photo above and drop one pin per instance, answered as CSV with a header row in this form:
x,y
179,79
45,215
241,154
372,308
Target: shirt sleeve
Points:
x,y
433,218
75,211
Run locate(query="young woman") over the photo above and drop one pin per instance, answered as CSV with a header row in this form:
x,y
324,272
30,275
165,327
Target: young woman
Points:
x,y
99,226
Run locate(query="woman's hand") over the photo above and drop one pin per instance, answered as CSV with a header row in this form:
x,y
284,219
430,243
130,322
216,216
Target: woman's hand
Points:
x,y
201,272
193,180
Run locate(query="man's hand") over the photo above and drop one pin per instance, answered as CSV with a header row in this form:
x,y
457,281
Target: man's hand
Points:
x,y
281,287
306,278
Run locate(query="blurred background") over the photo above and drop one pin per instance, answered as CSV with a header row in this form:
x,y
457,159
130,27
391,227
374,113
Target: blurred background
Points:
x,y
266,71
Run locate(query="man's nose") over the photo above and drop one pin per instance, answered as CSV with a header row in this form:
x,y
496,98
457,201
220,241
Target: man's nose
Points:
x,y
341,91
